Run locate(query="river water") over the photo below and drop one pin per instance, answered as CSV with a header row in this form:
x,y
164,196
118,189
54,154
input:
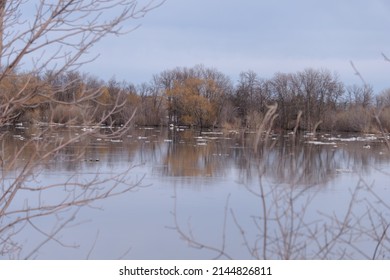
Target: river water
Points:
x,y
200,195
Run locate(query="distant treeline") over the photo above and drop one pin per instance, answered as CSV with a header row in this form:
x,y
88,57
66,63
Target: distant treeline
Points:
x,y
199,97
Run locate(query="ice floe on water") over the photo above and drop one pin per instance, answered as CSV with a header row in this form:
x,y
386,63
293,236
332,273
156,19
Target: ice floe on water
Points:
x,y
212,133
19,137
364,138
221,155
200,141
367,140
321,143
344,170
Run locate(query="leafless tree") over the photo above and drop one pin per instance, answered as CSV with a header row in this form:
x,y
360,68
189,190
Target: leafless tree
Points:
x,y
54,39
360,95
251,97
57,36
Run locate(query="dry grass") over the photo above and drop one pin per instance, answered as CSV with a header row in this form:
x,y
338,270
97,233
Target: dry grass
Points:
x,y
355,119
69,114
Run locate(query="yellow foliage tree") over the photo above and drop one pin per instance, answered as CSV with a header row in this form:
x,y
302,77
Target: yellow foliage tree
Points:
x,y
188,103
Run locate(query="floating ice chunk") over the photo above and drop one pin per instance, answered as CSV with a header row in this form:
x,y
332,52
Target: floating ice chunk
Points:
x,y
87,129
320,143
20,137
344,170
212,132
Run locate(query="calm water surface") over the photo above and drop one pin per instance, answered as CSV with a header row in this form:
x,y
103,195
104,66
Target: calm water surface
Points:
x,y
211,194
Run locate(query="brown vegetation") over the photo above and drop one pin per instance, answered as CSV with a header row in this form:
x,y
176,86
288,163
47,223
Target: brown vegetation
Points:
x,y
55,43
198,97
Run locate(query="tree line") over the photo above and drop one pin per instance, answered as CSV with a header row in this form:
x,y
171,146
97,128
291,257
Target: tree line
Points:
x,y
198,97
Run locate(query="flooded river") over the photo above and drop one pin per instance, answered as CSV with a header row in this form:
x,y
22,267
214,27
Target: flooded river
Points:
x,y
186,194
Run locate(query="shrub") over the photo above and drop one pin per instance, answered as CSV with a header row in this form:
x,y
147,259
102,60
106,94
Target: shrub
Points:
x,y
384,118
67,114
355,119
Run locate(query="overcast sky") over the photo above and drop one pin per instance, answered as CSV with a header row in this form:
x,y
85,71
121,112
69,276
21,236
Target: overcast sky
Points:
x,y
264,36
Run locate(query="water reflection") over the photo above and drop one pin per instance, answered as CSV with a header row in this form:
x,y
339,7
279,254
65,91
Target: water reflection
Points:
x,y
218,161
202,154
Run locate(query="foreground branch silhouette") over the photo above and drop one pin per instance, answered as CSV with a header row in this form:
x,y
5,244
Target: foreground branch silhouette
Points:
x,y
51,39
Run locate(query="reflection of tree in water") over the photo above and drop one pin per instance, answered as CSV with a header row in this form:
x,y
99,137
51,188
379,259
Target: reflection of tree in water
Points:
x,y
268,174
283,160
41,207
293,220
192,154
194,159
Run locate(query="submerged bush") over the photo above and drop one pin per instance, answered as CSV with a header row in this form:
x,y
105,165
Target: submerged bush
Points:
x,y
355,119
68,114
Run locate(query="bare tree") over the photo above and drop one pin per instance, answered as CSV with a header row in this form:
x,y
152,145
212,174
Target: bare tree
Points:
x,y
52,39
251,98
56,36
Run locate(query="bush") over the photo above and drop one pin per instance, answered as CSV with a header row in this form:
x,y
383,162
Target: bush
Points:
x,y
355,119
69,114
384,119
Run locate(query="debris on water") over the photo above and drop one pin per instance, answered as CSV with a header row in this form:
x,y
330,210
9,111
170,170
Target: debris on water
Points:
x,y
168,140
233,132
308,134
87,129
201,143
212,133
211,138
221,155
344,170
36,138
20,126
321,143
20,137
369,138
116,140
